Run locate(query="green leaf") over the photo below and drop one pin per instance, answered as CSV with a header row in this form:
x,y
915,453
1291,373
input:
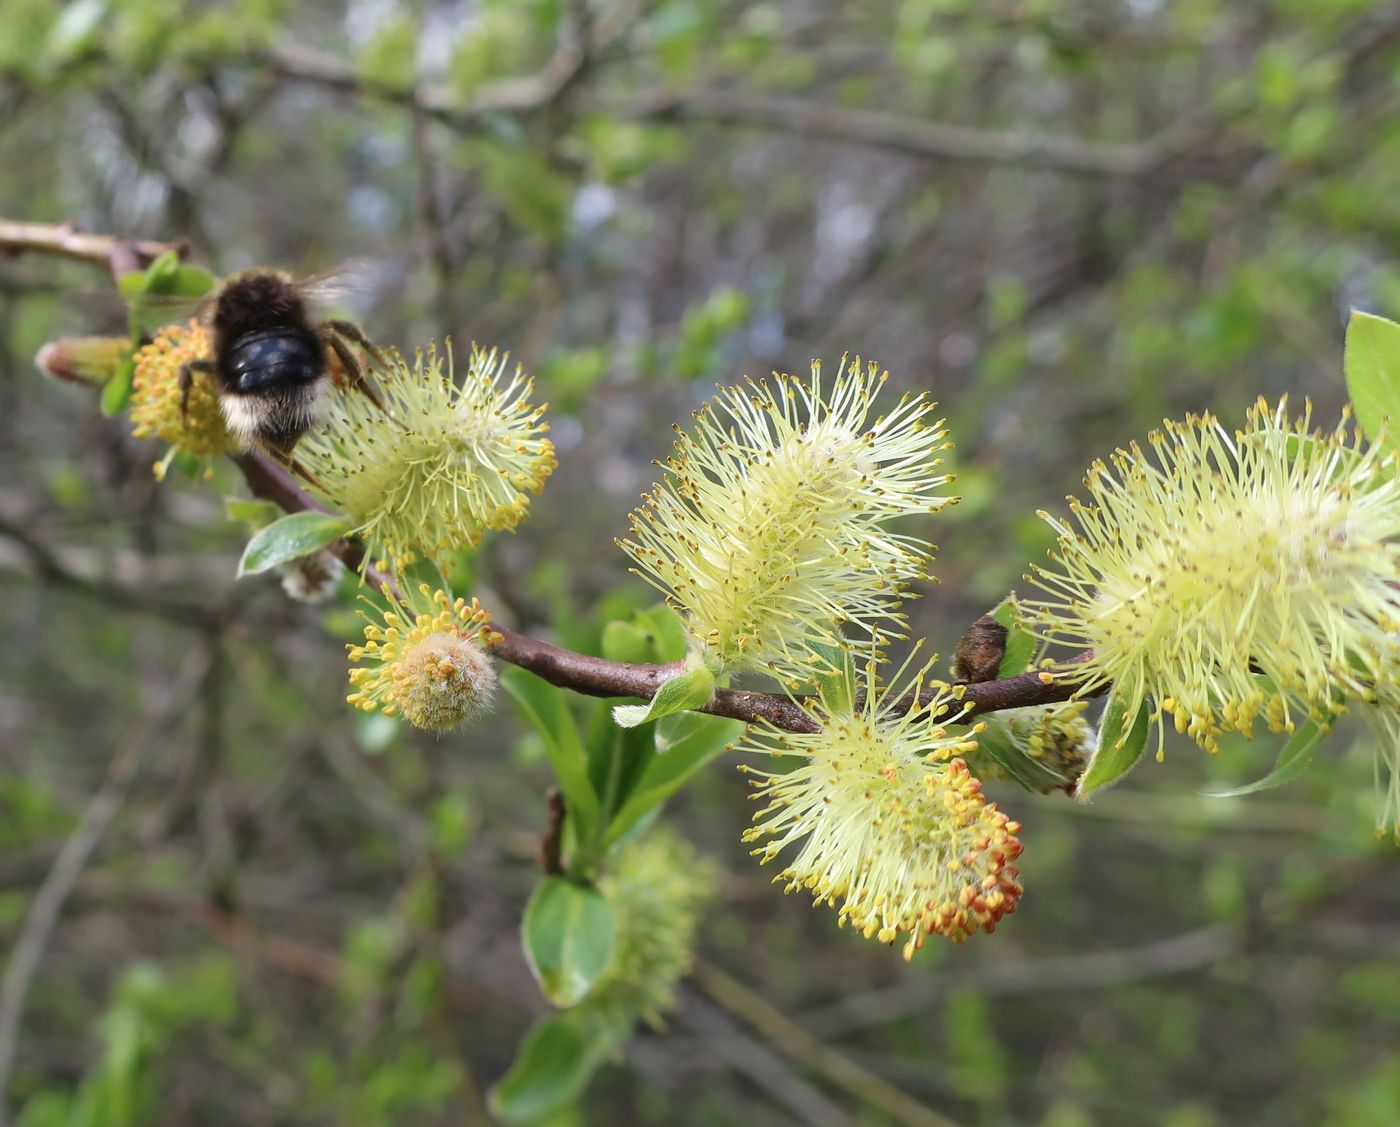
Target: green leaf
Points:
x,y
1120,745
116,393
162,274
132,284
625,641
388,57
251,510
166,276
617,757
555,1061
568,938
290,538
836,679
1293,760
667,632
192,281
997,743
691,689
189,464
1372,364
1020,644
544,707
684,744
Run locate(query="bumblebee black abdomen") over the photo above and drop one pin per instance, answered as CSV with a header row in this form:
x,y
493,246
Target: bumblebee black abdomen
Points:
x,y
274,358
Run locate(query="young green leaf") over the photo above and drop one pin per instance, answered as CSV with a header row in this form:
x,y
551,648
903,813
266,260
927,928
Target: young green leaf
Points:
x,y
552,1067
116,393
132,284
1294,759
836,681
617,757
544,707
192,281
684,744
626,641
290,538
1371,360
1120,745
568,938
691,689
996,742
666,630
162,273
251,510
1020,644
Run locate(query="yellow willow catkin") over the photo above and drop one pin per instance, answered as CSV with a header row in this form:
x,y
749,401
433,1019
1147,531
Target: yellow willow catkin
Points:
x,y
443,466
769,531
1233,577
887,820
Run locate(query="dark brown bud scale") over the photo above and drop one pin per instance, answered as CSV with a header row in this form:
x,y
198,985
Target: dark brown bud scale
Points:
x,y
979,652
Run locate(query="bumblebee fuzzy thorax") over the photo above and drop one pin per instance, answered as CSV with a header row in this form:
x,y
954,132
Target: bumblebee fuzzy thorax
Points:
x,y
255,300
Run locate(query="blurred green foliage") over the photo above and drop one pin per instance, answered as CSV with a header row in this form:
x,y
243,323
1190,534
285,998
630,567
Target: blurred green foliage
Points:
x,y
303,916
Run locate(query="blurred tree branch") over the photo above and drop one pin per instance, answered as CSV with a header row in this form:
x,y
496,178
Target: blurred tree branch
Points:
x,y
47,565
799,1042
910,135
66,241
580,38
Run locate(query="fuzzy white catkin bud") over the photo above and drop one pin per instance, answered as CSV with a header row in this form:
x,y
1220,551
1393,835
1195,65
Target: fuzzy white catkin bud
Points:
x,y
313,579
443,681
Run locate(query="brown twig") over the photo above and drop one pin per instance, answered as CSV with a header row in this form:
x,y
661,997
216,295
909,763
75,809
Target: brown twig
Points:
x,y
581,673
66,241
596,676
552,840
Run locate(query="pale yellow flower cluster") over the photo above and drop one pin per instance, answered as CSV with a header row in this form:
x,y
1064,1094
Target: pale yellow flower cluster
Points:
x,y
155,395
890,823
770,530
441,465
1229,578
424,659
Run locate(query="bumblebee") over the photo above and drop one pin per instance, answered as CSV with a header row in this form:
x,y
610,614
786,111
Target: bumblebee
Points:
x,y
271,361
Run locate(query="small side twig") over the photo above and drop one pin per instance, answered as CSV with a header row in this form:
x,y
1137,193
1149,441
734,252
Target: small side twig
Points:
x,y
552,840
66,241
796,1042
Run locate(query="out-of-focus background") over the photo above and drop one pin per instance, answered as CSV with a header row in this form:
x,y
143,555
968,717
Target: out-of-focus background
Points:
x,y
1066,219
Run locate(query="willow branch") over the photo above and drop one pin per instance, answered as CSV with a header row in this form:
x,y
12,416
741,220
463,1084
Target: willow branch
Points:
x,y
66,241
580,673
598,677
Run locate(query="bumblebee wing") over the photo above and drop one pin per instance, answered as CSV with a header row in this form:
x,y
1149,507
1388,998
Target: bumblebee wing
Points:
x,y
352,284
88,311
153,310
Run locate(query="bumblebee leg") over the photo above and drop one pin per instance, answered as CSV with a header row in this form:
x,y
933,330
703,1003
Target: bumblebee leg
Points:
x,y
332,338
352,332
300,470
187,371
